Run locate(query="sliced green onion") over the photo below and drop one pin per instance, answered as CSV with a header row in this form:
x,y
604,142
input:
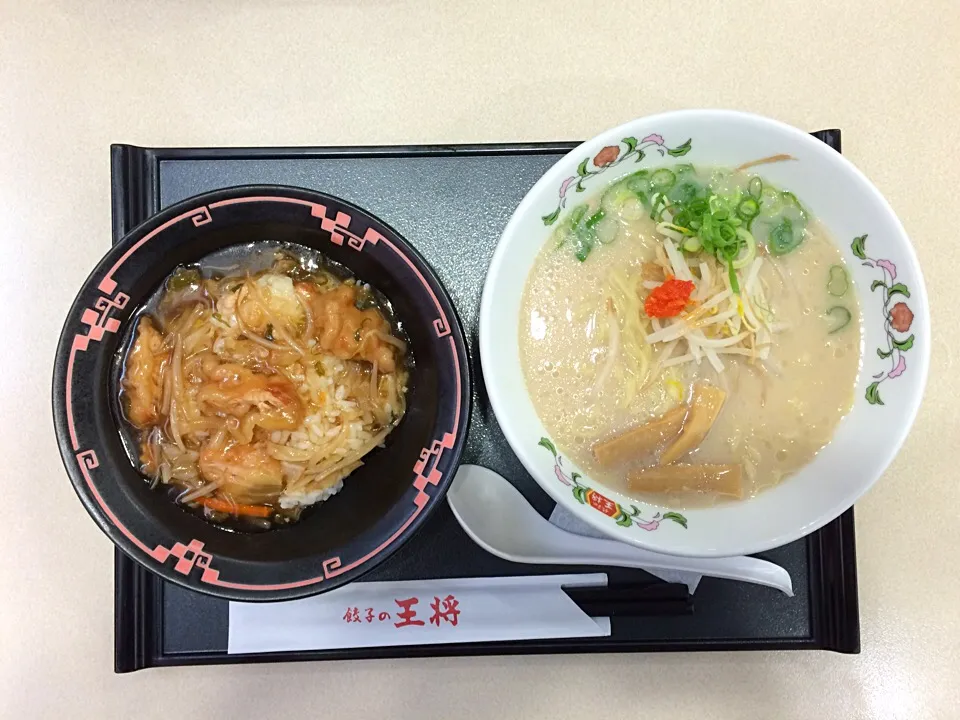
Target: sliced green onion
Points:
x,y
582,245
727,233
663,179
577,233
837,283
728,252
770,202
594,219
584,235
734,283
718,218
788,198
682,219
843,315
748,250
616,197
748,208
576,215
784,237
183,278
677,228
684,192
639,183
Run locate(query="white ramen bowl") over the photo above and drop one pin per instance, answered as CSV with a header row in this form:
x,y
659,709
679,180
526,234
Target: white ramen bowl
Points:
x,y
894,360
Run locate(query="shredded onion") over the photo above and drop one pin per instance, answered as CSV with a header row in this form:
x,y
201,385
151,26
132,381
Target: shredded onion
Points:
x,y
202,491
308,325
388,338
277,324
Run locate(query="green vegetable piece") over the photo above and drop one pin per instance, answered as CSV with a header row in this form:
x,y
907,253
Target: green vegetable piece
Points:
x,y
748,208
663,179
747,251
789,199
582,247
784,238
684,193
616,197
639,181
734,283
837,282
755,187
692,244
770,202
682,219
577,215
582,233
594,219
843,318
183,278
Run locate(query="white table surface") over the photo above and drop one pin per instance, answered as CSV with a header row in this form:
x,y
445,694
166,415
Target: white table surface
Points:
x,y
76,75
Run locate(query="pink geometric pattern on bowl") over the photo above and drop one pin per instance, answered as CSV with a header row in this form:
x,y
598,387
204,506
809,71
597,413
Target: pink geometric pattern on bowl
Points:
x,y
330,565
339,229
441,327
100,323
433,476
188,556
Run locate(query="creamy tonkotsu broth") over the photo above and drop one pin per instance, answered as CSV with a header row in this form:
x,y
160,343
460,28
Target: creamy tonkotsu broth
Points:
x,y
595,369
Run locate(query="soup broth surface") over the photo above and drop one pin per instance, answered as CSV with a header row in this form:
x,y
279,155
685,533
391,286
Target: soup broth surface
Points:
x,y
778,412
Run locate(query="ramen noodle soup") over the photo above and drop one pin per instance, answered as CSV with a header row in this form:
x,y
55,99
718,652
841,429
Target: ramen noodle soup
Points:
x,y
690,335
258,380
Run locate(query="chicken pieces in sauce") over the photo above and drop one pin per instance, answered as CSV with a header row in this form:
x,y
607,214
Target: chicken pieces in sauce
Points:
x,y
226,386
142,378
343,329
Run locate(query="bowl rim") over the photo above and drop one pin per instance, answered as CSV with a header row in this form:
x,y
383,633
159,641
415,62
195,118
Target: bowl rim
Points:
x,y
79,464
487,317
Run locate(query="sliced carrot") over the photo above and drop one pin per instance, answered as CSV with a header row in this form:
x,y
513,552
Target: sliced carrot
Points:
x,y
235,509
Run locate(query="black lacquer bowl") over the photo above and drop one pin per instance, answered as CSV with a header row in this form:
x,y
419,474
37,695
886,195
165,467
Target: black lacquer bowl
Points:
x,y
381,504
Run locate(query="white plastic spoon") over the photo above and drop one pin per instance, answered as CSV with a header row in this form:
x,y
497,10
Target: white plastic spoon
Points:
x,y
501,521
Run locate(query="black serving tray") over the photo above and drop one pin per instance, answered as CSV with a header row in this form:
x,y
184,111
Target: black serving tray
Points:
x,y
451,203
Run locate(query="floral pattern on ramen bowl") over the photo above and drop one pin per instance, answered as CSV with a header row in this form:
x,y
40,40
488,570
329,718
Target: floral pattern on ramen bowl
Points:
x,y
898,319
610,157
893,306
